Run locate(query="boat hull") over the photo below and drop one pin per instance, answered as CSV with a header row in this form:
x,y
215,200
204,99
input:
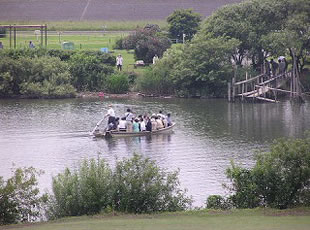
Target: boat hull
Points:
x,y
110,134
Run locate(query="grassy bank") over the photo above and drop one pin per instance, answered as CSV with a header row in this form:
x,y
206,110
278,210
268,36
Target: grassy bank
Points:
x,y
258,219
90,25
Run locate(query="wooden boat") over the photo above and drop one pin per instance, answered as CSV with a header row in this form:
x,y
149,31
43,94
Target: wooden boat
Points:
x,y
115,133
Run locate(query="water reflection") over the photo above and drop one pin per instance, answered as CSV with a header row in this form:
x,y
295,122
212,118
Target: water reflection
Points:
x,y
54,134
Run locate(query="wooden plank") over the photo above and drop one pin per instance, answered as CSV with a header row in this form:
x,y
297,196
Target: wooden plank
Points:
x,y
266,99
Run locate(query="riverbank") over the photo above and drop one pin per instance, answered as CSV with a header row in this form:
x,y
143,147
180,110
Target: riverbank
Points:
x,y
244,219
129,95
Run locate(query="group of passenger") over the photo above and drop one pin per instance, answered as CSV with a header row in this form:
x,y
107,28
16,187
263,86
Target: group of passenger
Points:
x,y
131,123
273,68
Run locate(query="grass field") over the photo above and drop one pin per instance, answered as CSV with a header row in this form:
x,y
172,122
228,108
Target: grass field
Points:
x,y
96,25
82,41
258,219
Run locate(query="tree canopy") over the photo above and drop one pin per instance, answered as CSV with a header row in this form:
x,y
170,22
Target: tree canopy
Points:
x,y
183,21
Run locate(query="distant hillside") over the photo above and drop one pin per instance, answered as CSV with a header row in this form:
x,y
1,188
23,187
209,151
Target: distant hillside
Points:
x,y
110,10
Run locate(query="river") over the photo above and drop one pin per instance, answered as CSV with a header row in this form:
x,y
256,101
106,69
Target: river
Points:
x,y
54,134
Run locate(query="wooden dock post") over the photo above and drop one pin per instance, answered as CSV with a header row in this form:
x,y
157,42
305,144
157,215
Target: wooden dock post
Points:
x,y
229,92
233,89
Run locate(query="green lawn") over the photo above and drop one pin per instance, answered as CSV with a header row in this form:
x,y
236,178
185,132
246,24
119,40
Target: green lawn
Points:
x,y
81,42
259,219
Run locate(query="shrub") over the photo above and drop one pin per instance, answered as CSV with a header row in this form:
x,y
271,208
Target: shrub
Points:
x,y
63,55
279,179
119,44
48,77
19,197
218,202
140,186
146,44
136,185
86,190
118,83
89,72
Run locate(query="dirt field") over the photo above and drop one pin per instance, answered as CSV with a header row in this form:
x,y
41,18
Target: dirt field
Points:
x,y
110,10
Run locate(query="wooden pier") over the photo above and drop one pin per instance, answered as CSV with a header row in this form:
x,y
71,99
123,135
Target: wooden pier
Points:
x,y
265,88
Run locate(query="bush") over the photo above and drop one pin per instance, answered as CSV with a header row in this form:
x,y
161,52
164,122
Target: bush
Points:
x,y
48,77
137,185
118,83
279,179
218,202
86,190
146,43
89,72
140,186
63,55
19,197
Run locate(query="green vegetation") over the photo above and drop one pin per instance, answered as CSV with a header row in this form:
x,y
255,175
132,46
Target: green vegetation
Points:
x,y
147,43
183,21
137,185
19,197
118,83
40,73
89,25
258,219
279,179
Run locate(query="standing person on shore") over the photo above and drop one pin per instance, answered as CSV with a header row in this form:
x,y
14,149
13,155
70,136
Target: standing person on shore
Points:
x,y
31,45
119,62
1,45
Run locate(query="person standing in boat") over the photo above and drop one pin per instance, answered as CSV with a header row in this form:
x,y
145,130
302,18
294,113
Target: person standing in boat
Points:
x,y
111,115
129,117
148,125
169,122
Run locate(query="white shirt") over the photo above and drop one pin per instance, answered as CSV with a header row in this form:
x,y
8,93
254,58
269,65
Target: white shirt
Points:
x,y
128,116
142,126
111,112
122,124
119,61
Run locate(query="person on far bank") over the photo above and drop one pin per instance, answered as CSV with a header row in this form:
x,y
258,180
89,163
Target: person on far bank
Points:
x,y
31,45
1,45
119,62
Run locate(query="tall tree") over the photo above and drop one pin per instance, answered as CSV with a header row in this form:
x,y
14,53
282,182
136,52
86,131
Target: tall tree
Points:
x,y
183,21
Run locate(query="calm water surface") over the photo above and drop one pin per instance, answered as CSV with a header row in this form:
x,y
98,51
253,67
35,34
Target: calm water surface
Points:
x,y
53,134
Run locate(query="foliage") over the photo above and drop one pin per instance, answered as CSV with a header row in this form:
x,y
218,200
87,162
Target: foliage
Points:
x,y
218,202
89,72
261,26
118,83
183,21
86,190
19,197
136,185
119,44
205,67
158,80
280,178
140,186
146,44
63,55
47,77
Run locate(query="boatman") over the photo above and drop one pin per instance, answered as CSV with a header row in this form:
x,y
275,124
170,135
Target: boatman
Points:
x,y
111,115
